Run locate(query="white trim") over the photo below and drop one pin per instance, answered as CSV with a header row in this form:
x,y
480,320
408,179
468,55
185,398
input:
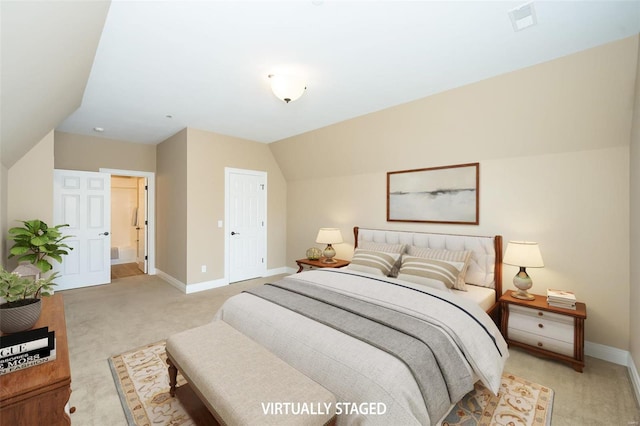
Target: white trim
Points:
x,y
190,288
616,356
607,353
635,377
205,285
278,271
151,211
172,281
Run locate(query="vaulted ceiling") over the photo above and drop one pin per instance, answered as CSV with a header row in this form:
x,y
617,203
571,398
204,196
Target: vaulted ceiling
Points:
x,y
144,70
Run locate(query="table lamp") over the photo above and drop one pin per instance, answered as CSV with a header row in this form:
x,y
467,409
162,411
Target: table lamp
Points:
x,y
329,236
523,254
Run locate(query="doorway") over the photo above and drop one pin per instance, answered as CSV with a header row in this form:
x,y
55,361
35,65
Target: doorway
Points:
x,y
132,223
128,223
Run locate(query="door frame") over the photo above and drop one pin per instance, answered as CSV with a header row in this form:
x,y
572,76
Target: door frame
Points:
x,y
151,211
227,214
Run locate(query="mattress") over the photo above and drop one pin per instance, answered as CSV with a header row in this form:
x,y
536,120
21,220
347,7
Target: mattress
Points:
x,y
481,296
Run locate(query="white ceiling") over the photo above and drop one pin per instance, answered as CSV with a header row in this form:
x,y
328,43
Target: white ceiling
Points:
x,y
206,63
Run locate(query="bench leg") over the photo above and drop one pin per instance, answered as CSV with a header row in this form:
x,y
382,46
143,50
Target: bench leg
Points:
x,y
173,375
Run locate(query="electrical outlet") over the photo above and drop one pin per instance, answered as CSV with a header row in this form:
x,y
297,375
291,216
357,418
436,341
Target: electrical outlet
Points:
x,y
204,268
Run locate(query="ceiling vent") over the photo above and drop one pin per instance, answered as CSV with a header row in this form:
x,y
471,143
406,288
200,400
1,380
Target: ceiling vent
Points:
x,y
523,17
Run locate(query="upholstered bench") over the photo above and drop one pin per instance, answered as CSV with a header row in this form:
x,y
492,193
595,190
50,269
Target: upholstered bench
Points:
x,y
242,383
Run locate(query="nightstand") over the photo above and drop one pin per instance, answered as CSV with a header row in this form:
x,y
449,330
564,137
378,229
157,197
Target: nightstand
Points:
x,y
314,264
545,330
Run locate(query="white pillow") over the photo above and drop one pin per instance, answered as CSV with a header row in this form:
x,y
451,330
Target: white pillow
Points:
x,y
431,272
373,262
386,248
448,255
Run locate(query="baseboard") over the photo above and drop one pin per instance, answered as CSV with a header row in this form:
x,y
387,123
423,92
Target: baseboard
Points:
x,y
205,285
607,353
208,285
279,271
617,356
635,378
173,281
190,288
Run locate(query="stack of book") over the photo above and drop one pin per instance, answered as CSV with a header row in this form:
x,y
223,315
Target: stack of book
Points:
x,y
26,349
561,299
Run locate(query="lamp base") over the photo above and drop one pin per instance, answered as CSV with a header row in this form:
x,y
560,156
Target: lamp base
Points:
x,y
522,282
522,295
328,254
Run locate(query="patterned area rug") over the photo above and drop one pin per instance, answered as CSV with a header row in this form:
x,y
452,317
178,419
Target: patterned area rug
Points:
x,y
143,385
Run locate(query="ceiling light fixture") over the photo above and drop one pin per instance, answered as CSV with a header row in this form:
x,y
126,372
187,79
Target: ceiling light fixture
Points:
x,y
287,87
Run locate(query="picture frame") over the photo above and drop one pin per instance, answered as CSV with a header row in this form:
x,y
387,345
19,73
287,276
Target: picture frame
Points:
x,y
446,194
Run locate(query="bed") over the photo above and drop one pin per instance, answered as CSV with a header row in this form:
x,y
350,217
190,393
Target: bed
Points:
x,y
392,351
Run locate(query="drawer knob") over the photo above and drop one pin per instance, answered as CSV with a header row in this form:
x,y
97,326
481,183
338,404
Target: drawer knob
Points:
x,y
540,344
540,314
540,326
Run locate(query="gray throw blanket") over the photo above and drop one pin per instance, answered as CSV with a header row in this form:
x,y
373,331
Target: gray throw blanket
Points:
x,y
439,369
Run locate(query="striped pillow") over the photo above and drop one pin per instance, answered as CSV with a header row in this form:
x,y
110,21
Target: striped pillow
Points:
x,y
430,272
448,255
387,248
373,262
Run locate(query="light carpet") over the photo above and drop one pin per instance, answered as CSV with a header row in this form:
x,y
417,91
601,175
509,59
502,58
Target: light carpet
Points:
x,y
142,382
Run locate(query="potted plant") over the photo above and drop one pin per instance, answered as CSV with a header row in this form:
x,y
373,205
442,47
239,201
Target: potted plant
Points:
x,y
36,243
22,305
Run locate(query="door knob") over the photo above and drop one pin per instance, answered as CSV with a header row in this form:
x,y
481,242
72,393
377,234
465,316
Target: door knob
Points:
x,y
235,233
104,233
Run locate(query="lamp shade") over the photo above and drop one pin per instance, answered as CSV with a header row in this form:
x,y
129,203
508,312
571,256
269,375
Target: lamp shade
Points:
x,y
329,236
523,253
287,87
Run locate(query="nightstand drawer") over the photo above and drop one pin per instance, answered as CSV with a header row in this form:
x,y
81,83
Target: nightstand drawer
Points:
x,y
538,313
542,326
542,342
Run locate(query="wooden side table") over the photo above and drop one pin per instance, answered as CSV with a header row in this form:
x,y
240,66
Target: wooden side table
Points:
x,y
37,395
545,330
313,264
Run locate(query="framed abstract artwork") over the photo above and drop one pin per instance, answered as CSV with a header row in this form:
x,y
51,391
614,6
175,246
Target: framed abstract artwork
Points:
x,y
447,194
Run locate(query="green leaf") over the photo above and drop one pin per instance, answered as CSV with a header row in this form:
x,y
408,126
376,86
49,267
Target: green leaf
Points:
x,y
43,265
19,231
18,250
31,258
39,241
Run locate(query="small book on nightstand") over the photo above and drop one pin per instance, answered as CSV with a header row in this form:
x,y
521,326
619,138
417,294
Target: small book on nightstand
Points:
x,y
561,299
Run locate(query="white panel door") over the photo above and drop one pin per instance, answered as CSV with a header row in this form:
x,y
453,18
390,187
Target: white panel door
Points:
x,y
246,224
83,201
141,225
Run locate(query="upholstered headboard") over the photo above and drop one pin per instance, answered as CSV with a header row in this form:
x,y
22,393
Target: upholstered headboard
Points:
x,y
485,268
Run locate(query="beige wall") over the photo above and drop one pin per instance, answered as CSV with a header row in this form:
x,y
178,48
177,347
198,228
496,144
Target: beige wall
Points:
x,y
171,206
30,186
634,299
208,155
553,145
90,153
3,213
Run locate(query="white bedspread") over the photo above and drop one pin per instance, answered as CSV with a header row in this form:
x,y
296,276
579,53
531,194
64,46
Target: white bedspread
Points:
x,y
356,372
